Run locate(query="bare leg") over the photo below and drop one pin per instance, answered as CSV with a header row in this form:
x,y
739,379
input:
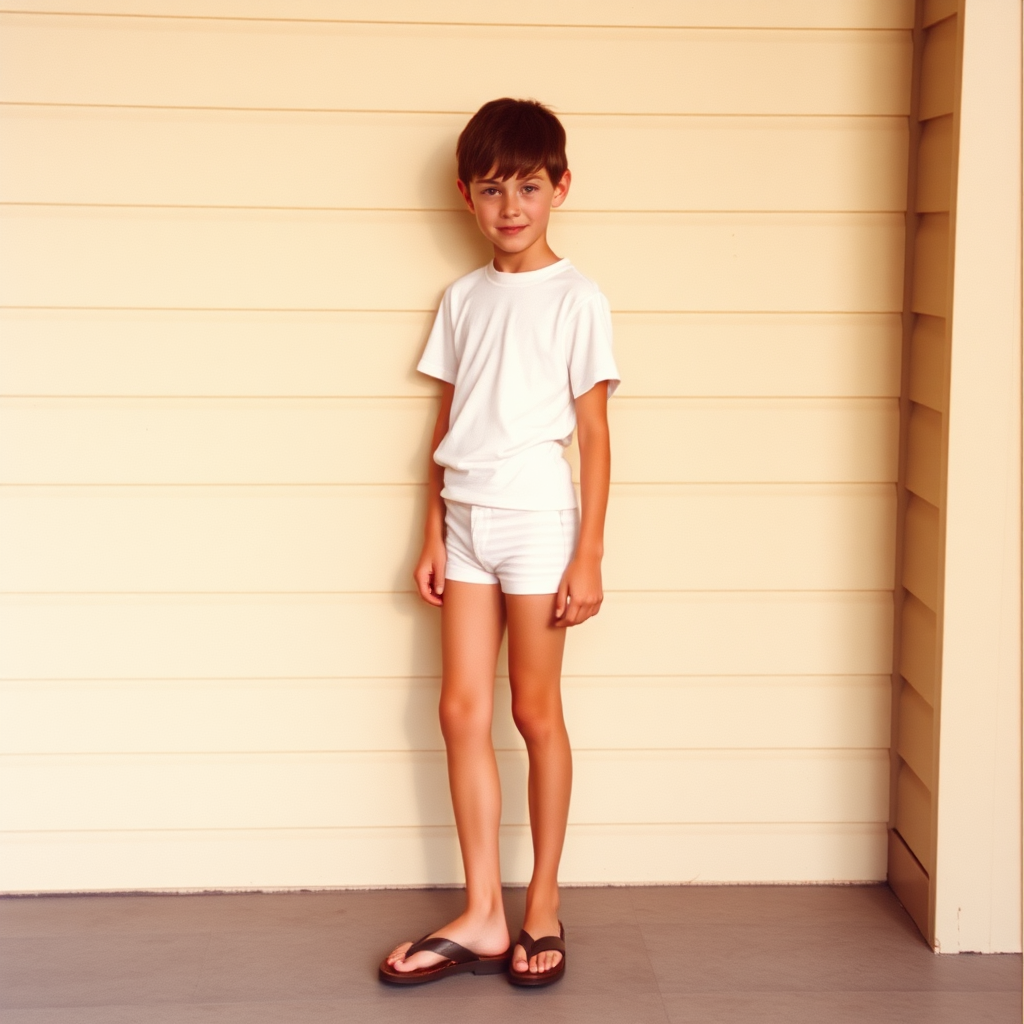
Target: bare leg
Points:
x,y
472,623
535,648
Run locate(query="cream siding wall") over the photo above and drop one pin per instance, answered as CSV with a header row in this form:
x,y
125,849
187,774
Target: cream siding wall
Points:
x,y
224,238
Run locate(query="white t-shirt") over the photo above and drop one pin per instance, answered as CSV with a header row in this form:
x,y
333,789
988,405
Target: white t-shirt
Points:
x,y
518,348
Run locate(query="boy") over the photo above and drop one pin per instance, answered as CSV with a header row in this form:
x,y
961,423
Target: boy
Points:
x,y
523,350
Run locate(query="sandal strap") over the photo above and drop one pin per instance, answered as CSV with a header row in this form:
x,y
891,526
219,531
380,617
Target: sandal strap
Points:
x,y
545,943
443,947
548,942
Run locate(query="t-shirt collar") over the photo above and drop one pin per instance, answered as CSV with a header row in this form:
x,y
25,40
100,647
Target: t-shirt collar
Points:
x,y
527,277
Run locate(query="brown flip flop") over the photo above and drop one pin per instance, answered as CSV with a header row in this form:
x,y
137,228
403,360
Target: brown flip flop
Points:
x,y
458,960
533,946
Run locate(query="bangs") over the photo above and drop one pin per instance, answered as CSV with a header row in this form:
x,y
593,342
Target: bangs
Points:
x,y
507,137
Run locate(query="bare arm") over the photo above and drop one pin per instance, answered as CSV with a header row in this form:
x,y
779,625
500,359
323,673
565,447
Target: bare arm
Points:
x,y
429,571
581,592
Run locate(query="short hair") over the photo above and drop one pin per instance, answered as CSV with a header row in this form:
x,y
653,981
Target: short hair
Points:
x,y
511,137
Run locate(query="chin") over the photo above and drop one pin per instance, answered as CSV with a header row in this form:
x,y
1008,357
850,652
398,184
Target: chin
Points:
x,y
516,244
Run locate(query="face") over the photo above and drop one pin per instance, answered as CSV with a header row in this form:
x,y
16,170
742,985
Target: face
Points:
x,y
513,213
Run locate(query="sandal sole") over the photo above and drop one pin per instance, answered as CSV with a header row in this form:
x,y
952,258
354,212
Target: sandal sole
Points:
x,y
423,977
536,980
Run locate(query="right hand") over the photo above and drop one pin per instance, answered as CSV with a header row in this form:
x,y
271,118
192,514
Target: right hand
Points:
x,y
429,571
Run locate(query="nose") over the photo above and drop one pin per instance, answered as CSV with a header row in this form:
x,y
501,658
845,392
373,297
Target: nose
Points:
x,y
510,204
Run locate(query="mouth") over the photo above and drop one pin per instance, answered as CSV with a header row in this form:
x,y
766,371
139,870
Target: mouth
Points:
x,y
513,230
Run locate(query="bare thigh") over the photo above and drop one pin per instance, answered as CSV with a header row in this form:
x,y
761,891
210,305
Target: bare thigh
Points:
x,y
472,624
535,649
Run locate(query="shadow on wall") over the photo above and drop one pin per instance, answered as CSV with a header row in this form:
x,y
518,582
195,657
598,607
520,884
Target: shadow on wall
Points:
x,y
461,243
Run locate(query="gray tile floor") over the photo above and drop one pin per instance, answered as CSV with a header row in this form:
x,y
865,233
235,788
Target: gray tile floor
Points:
x,y
707,955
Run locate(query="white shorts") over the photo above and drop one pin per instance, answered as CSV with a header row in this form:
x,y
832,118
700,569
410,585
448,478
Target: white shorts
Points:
x,y
524,551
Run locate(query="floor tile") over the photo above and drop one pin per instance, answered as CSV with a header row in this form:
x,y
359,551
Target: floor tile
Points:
x,y
844,1008
123,914
65,971
496,1003
240,966
97,915
839,905
187,1013
815,957
593,906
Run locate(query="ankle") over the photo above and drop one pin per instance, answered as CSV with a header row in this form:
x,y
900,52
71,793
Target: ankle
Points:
x,y
543,898
486,908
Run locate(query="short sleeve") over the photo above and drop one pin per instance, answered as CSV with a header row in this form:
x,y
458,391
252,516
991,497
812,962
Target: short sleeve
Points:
x,y
439,359
589,347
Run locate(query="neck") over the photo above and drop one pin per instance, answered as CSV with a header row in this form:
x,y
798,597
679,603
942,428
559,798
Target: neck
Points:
x,y
536,257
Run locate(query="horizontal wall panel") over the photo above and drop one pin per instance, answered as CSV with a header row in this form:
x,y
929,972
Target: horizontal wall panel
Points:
x,y
921,551
924,454
214,353
914,815
246,441
240,539
389,789
163,352
931,265
938,70
86,256
933,192
733,537
285,636
321,858
914,740
918,647
654,13
758,354
405,161
178,62
603,713
767,537
215,441
928,362
231,259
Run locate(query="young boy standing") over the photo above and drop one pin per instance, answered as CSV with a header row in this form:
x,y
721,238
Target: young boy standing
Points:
x,y
523,349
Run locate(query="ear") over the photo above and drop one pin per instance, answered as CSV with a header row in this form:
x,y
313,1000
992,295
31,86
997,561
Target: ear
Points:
x,y
466,195
562,188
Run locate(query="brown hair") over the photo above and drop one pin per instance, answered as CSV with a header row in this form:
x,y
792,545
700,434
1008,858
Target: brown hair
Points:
x,y
511,137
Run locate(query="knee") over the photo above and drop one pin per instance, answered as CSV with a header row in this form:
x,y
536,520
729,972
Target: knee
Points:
x,y
537,720
463,719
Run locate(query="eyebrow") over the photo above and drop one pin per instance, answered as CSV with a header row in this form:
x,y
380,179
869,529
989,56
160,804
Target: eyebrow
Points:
x,y
501,181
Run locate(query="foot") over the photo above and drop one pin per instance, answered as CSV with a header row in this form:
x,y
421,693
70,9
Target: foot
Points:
x,y
538,923
485,936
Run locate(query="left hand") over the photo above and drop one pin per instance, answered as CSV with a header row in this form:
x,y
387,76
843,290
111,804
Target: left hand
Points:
x,y
580,593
